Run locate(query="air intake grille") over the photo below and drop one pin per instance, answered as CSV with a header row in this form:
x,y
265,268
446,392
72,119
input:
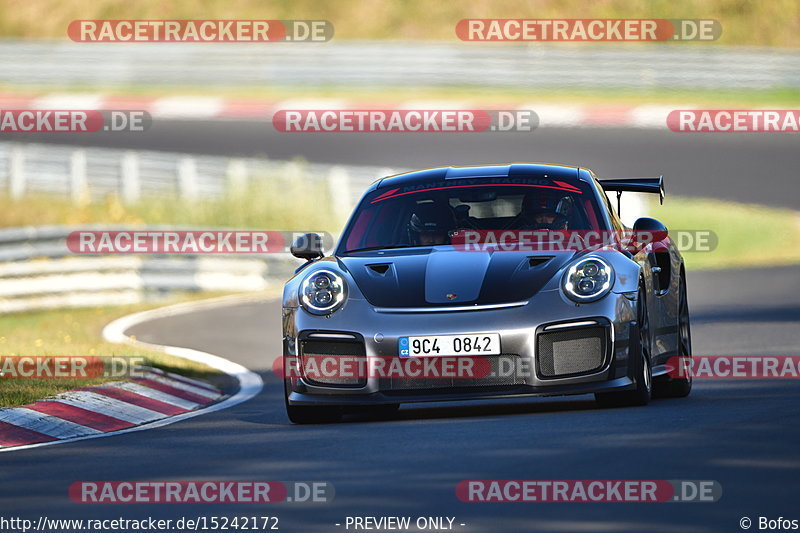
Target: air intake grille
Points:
x,y
570,352
348,370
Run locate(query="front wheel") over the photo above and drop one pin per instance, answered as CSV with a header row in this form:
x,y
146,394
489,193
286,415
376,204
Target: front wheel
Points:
x,y
639,358
310,414
680,387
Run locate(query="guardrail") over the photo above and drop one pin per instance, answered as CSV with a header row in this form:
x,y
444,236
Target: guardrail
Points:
x,y
89,173
363,63
37,271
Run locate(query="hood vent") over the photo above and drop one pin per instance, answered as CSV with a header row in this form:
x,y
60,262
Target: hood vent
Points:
x,y
379,268
537,260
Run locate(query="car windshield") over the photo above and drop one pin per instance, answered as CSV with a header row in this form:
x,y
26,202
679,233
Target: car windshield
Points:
x,y
431,214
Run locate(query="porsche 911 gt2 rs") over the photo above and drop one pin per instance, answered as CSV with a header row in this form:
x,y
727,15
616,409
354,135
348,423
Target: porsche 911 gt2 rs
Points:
x,y
464,283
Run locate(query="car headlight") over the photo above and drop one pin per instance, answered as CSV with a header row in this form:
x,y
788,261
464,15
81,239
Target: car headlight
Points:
x,y
322,292
588,280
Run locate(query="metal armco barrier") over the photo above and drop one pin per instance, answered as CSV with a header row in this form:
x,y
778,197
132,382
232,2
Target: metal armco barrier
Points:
x,y
37,271
131,175
59,64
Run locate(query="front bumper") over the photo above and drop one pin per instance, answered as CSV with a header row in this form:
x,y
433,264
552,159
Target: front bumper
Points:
x,y
539,368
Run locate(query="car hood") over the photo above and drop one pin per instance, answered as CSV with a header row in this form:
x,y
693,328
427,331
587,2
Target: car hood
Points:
x,y
448,277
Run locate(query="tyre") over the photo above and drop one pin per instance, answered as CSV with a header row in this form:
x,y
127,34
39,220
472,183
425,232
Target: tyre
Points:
x,y
640,356
310,414
672,387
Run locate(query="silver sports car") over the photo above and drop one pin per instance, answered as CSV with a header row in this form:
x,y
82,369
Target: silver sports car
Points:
x,y
465,283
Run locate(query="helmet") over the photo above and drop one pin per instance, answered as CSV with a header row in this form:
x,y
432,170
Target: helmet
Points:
x,y
540,200
429,222
546,210
545,219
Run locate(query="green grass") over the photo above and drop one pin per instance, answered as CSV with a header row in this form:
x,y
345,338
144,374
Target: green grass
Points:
x,y
278,204
478,95
747,234
760,23
71,333
269,204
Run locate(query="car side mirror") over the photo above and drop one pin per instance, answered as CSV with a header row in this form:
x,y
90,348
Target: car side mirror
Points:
x,y
647,231
308,247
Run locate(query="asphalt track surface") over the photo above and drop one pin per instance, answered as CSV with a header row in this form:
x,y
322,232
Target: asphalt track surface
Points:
x,y
742,434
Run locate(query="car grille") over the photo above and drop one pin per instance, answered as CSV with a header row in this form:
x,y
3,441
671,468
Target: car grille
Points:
x,y
506,370
313,352
571,351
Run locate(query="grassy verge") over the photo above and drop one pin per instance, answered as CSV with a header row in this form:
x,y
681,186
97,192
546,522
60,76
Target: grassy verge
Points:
x,y
746,234
77,332
478,95
268,205
74,332
773,23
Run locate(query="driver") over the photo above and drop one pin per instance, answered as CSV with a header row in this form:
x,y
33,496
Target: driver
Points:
x,y
546,219
429,225
540,212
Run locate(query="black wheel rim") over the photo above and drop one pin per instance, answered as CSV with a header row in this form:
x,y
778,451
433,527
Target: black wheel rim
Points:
x,y
684,332
644,340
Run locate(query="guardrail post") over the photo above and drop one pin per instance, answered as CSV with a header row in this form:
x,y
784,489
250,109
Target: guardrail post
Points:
x,y
187,178
16,172
237,175
78,180
131,188
293,174
339,187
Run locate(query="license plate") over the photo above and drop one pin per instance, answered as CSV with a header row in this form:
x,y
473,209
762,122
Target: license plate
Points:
x,y
449,345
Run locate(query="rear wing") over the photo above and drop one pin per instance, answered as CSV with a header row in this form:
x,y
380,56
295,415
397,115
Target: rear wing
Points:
x,y
646,185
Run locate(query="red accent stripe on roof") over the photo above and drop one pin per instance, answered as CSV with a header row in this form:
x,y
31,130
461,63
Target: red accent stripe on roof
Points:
x,y
383,197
